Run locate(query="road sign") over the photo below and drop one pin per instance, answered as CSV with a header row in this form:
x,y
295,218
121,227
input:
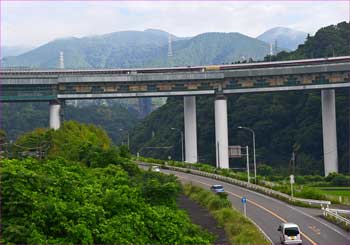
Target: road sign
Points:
x,y
244,201
234,151
291,184
292,179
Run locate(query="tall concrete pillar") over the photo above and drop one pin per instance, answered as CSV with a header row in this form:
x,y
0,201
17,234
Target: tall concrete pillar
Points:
x,y
221,132
190,129
330,149
55,108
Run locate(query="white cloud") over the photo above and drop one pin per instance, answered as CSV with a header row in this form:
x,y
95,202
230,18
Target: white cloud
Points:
x,y
34,23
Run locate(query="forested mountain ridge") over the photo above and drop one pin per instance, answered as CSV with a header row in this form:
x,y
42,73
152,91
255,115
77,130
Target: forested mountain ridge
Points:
x,y
18,118
283,122
141,49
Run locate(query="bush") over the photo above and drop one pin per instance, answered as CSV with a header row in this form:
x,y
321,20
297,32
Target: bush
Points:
x,y
340,180
238,229
310,193
62,202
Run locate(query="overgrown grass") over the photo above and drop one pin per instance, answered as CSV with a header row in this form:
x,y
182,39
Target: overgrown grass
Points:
x,y
337,191
238,228
337,222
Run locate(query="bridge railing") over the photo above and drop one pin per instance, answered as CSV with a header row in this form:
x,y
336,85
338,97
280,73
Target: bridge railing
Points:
x,y
261,189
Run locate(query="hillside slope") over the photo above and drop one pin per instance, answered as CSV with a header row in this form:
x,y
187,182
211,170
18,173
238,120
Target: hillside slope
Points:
x,y
140,49
283,122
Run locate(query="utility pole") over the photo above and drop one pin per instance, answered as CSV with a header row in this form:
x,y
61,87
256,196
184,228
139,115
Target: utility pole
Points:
x,y
247,153
254,155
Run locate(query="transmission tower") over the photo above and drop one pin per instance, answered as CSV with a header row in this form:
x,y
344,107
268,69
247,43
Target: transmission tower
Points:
x,y
61,60
276,48
170,49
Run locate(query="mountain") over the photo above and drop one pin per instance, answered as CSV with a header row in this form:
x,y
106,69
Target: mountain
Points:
x,y
14,50
142,48
212,48
283,122
118,49
286,38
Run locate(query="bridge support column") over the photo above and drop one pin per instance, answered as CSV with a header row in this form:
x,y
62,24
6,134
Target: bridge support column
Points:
x,y
221,132
190,122
330,149
55,108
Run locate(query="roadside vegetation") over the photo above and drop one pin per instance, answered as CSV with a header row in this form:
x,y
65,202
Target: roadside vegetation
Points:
x,y
239,229
82,190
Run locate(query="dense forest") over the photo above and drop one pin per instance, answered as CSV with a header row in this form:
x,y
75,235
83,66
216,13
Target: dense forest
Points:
x,y
116,119
83,190
283,122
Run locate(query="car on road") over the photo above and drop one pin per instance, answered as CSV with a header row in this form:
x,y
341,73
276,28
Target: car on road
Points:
x,y
289,233
155,169
217,188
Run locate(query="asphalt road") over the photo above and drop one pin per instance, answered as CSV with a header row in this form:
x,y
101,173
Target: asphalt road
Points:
x,y
268,213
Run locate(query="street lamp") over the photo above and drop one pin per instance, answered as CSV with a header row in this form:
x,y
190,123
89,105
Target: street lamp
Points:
x,y
182,143
252,131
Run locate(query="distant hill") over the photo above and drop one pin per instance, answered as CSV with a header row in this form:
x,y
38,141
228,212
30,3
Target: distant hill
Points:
x,y
14,50
212,48
286,38
119,49
142,48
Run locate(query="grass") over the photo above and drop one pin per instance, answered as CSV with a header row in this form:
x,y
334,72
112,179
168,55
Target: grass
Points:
x,y
337,191
238,228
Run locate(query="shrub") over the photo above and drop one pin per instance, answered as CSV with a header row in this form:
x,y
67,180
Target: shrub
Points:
x,y
310,193
341,180
238,229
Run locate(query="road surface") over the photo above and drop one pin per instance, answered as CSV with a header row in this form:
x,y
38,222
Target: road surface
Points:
x,y
268,213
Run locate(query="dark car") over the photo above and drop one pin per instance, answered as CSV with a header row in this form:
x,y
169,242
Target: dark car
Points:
x,y
217,188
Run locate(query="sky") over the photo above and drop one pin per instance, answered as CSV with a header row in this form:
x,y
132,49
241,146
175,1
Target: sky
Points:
x,y
33,23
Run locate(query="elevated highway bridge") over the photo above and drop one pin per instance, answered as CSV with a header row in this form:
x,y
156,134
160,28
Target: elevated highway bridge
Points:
x,y
56,86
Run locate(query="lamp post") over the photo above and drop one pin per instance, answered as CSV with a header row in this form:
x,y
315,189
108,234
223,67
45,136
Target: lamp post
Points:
x,y
127,134
252,131
182,143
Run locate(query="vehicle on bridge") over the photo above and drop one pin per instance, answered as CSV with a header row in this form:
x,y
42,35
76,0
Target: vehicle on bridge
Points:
x,y
289,233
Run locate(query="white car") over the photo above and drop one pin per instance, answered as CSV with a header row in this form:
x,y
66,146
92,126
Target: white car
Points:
x,y
289,233
155,169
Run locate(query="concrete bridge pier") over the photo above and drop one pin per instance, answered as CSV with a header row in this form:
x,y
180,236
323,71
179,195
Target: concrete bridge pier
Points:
x,y
330,149
221,132
55,109
190,122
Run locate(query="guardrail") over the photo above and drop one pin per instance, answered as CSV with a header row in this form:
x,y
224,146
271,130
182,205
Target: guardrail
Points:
x,y
327,211
341,211
247,185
